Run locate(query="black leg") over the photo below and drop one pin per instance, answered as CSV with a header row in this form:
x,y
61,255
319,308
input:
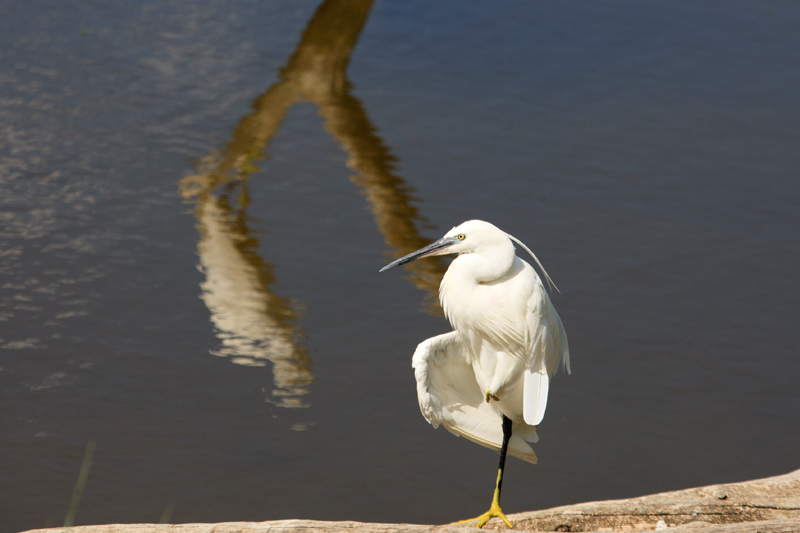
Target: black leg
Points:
x,y
503,451
495,509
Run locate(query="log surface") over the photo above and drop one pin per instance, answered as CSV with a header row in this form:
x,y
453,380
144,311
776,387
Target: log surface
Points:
x,y
770,505
764,500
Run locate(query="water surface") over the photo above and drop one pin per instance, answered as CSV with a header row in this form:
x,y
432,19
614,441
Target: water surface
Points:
x,y
196,199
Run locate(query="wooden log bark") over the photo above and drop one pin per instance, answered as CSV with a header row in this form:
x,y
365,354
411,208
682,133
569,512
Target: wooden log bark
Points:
x,y
770,505
771,499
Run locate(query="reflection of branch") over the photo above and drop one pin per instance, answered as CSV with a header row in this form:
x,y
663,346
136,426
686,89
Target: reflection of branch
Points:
x,y
253,323
318,67
389,196
316,72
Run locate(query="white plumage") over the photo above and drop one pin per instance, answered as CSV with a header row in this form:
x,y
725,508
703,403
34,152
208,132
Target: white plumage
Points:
x,y
506,344
508,340
450,395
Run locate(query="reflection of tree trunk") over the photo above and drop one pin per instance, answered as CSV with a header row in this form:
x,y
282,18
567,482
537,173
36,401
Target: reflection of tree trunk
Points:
x,y
320,60
389,196
316,72
252,323
318,65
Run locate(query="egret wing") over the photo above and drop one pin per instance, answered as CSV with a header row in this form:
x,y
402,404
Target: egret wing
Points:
x,y
536,389
449,395
548,349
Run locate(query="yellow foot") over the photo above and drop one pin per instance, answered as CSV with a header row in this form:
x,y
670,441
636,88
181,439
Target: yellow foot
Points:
x,y
490,396
494,510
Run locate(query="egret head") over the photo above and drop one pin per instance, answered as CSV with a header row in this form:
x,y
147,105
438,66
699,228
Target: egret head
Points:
x,y
473,236
470,237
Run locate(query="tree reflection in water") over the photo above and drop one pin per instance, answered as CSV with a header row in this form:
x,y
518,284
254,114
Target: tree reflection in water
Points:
x,y
253,324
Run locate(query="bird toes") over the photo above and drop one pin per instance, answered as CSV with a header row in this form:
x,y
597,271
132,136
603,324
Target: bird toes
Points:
x,y
494,511
490,396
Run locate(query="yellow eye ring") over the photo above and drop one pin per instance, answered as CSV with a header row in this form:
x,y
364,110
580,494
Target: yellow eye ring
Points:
x,y
461,236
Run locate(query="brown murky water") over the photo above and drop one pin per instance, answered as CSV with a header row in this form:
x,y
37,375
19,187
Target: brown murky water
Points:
x,y
195,199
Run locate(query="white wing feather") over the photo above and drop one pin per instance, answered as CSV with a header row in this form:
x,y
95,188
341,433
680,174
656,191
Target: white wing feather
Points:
x,y
547,350
537,386
449,395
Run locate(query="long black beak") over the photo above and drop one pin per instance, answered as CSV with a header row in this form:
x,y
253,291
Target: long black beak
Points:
x,y
431,249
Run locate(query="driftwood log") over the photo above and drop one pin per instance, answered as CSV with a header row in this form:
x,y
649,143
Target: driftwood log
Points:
x,y
766,505
770,505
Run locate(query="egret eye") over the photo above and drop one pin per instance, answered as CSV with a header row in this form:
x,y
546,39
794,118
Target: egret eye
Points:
x,y
461,236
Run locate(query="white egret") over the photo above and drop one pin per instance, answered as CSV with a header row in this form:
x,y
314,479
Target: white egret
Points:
x,y
488,379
